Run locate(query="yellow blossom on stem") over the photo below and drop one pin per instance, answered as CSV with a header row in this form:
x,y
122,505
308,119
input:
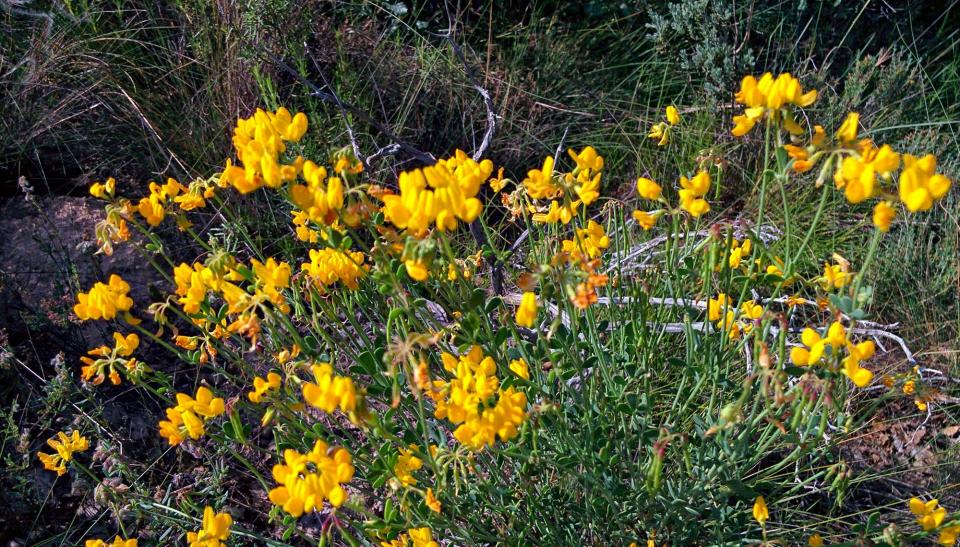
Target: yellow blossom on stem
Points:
x,y
431,501
214,531
648,189
406,464
331,391
65,446
104,301
692,192
307,480
520,368
262,386
883,215
117,542
527,310
920,185
930,514
760,512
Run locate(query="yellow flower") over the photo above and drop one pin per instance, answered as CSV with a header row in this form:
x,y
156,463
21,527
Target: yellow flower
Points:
x,y
104,301
262,386
330,391
117,542
187,418
920,186
760,512
948,535
539,182
432,502
851,363
769,95
661,133
644,219
328,266
836,276
648,189
815,541
527,311
883,215
692,192
587,242
440,194
65,447
422,537
738,251
717,306
417,270
303,488
214,531
96,370
520,368
104,190
587,159
929,514
673,115
909,387
847,133
406,464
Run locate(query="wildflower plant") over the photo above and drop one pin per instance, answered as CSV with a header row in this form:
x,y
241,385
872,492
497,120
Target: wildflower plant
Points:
x,y
650,366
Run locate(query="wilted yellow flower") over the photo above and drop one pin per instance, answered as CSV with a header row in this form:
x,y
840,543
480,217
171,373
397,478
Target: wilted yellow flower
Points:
x,y
883,215
431,501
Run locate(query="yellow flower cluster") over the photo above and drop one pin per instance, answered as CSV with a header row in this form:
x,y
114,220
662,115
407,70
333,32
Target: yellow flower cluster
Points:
x,y
770,96
692,192
262,386
406,464
331,391
465,400
104,301
930,516
65,447
117,542
328,266
815,346
731,320
110,360
320,198
660,132
583,182
259,140
441,194
153,208
188,417
306,480
587,242
214,530
414,537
